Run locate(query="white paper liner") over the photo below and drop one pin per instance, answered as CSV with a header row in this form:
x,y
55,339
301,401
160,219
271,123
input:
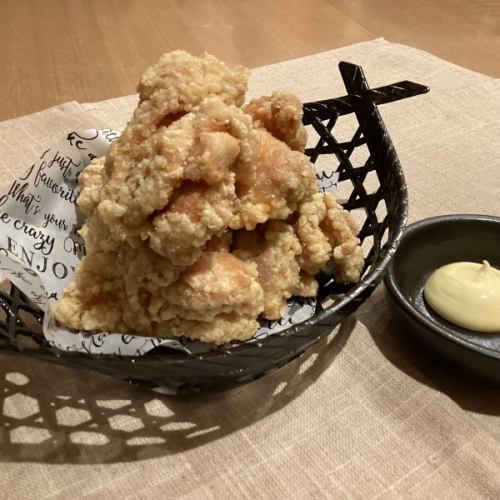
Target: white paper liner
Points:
x,y
40,247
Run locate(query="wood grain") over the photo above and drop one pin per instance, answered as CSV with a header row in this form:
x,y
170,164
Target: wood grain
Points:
x,y
54,51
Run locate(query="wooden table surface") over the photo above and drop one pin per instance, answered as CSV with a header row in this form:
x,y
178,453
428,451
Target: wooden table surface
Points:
x,y
54,51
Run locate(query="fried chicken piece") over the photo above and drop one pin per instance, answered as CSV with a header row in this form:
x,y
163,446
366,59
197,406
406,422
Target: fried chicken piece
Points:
x,y
196,213
218,283
112,290
274,250
281,114
201,146
327,231
271,180
216,300
178,83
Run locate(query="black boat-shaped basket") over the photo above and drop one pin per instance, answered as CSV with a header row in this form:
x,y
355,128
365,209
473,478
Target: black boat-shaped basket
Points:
x,y
373,188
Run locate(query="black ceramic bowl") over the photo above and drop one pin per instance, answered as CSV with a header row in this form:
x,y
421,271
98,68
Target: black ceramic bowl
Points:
x,y
426,246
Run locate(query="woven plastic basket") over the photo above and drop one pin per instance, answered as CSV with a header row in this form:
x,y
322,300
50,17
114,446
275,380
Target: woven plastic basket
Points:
x,y
372,186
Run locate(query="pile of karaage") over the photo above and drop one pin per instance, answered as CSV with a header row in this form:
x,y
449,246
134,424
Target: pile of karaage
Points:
x,y
205,214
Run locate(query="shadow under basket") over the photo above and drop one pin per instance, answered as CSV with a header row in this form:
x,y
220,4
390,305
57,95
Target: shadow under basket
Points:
x,y
347,136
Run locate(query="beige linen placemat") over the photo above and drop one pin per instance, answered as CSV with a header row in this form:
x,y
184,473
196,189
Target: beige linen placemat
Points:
x,y
362,415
